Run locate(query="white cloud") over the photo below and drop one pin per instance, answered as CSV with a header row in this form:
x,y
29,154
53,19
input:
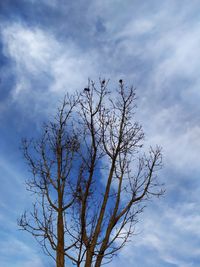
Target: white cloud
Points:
x,y
16,253
30,47
37,55
14,250
170,104
170,234
178,136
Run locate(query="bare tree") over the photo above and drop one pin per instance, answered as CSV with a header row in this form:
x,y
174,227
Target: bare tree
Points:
x,y
100,177
51,162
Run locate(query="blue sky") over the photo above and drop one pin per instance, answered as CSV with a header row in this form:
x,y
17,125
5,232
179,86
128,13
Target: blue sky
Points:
x,y
50,47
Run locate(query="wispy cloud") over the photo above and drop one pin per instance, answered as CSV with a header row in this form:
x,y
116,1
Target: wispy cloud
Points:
x,y
168,238
43,66
14,252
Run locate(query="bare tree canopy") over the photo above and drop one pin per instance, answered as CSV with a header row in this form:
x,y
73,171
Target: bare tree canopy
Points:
x,y
90,176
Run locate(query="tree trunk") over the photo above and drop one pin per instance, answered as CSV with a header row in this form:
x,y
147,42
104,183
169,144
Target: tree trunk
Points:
x,y
99,260
60,257
88,262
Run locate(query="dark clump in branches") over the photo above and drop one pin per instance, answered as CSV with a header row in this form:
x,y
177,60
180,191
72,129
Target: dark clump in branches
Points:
x,y
90,177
